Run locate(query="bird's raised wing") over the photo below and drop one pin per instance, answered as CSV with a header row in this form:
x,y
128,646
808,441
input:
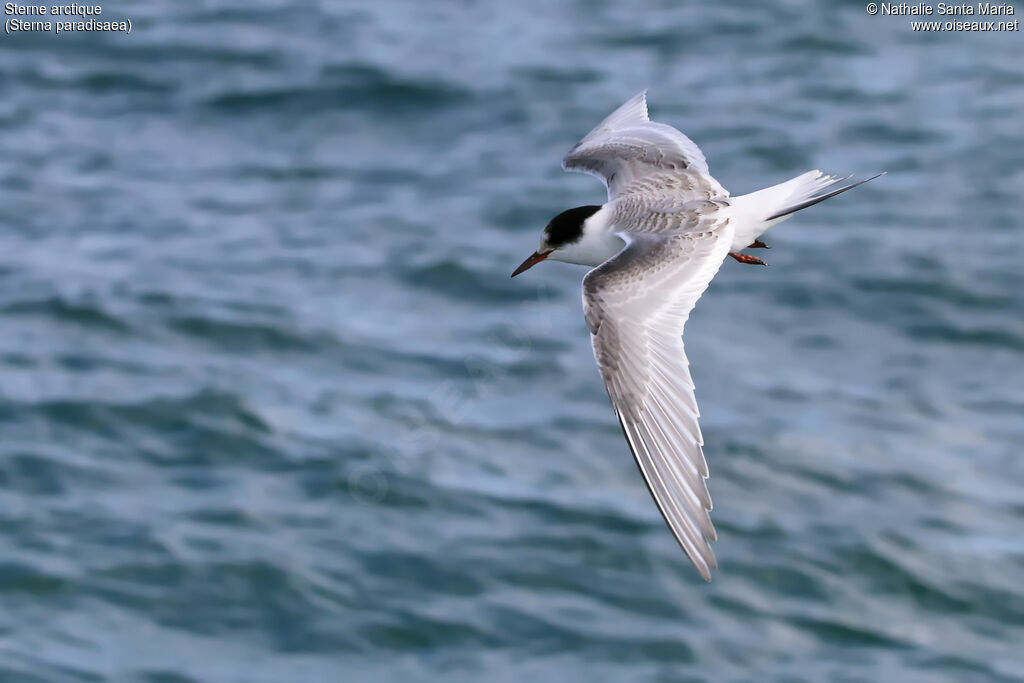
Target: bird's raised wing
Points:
x,y
636,305
628,146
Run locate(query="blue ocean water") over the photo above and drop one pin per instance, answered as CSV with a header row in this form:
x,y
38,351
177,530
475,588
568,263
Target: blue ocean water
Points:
x,y
272,410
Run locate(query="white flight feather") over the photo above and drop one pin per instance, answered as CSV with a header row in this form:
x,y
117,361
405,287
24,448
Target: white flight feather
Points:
x,y
636,305
627,145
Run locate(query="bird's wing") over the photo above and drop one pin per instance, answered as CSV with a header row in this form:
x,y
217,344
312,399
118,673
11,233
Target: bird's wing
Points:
x,y
661,211
636,305
628,146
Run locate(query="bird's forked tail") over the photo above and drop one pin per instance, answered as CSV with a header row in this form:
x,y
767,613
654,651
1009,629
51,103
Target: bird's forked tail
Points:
x,y
756,212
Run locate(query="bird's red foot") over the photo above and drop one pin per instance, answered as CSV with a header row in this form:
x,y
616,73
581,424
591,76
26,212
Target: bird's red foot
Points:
x,y
747,258
758,244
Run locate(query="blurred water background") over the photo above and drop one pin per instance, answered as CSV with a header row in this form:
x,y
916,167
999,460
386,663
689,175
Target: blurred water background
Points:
x,y
272,410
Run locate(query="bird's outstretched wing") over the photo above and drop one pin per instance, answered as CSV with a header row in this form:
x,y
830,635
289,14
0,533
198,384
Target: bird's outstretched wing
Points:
x,y
636,305
627,146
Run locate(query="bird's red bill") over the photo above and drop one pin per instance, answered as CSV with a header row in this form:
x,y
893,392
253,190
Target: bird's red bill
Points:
x,y
535,258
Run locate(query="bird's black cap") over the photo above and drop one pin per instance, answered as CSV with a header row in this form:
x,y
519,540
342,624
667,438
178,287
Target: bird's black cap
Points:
x,y
567,227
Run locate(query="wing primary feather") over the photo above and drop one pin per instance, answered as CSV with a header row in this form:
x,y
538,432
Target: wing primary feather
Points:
x,y
691,473
627,147
662,459
696,482
661,500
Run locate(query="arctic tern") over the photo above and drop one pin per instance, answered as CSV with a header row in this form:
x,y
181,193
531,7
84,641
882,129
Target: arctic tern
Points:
x,y
654,246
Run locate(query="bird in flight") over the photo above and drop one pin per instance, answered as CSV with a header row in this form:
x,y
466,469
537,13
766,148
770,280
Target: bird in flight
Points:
x,y
654,246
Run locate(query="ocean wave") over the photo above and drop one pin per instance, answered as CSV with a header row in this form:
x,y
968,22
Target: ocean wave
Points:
x,y
62,310
349,87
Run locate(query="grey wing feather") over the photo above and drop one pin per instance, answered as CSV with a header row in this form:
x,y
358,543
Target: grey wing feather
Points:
x,y
636,305
627,146
664,212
